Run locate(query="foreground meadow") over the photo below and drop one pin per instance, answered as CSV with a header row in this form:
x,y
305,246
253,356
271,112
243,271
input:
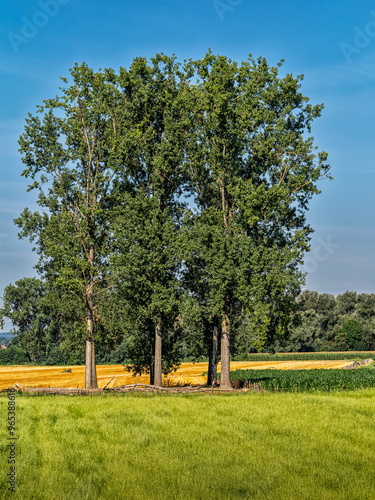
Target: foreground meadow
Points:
x,y
115,375
263,446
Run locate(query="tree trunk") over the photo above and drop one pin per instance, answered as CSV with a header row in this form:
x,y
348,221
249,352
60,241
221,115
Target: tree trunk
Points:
x,y
212,363
225,323
90,368
158,381
225,354
93,367
90,371
91,381
152,377
152,362
210,352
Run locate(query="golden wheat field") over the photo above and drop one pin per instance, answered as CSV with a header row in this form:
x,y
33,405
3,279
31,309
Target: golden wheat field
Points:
x,y
114,375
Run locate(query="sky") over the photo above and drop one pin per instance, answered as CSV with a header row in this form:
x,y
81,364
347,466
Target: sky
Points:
x,y
331,43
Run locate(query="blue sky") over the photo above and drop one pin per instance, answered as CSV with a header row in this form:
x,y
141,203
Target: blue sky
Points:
x,y
331,43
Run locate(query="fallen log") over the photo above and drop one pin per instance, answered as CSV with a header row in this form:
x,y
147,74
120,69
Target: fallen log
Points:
x,y
122,388
137,386
60,390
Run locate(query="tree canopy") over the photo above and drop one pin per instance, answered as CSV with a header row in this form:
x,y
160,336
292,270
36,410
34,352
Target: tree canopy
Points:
x,y
253,170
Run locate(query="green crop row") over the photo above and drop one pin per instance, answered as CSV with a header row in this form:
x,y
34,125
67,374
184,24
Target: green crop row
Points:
x,y
305,380
306,356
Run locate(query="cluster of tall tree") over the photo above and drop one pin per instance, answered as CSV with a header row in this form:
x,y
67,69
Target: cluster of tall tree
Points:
x,y
172,207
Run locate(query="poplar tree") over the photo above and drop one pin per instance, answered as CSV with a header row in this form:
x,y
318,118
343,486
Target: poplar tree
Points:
x,y
147,228
75,150
253,170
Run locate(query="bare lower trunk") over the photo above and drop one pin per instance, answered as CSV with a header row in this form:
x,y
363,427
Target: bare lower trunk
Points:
x,y
212,362
225,354
152,363
90,368
93,367
158,382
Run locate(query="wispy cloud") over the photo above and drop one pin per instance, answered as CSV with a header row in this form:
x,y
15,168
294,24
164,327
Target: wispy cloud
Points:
x,y
10,67
9,210
339,74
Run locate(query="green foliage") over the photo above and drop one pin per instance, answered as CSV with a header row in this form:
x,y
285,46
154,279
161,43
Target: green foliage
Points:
x,y
146,230
75,149
323,322
353,335
5,337
252,172
30,308
146,265
120,355
13,355
71,150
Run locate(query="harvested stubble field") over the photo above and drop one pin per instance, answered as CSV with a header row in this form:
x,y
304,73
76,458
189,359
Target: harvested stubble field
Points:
x,y
111,376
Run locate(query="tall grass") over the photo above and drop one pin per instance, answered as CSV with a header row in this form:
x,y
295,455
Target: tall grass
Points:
x,y
262,446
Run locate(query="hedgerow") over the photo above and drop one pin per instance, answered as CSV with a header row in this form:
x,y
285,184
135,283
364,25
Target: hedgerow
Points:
x,y
306,356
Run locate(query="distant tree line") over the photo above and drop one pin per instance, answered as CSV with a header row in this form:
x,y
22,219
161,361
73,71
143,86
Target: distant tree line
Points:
x,y
327,323
318,322
5,338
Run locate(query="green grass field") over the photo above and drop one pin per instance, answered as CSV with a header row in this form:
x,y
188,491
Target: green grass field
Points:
x,y
262,446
